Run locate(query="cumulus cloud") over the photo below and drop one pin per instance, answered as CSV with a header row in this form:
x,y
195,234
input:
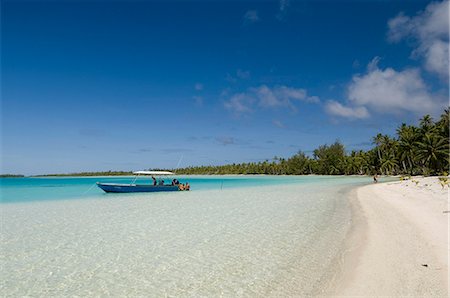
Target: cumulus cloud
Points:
x,y
251,16
430,30
373,65
266,97
335,108
391,91
281,96
436,58
240,103
386,91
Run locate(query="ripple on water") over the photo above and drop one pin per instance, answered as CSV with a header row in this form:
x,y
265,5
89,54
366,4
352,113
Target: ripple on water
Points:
x,y
276,240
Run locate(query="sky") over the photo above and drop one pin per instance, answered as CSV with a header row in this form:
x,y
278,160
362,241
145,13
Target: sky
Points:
x,y
131,85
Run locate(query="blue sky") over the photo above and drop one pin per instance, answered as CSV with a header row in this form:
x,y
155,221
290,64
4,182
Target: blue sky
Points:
x,y
129,85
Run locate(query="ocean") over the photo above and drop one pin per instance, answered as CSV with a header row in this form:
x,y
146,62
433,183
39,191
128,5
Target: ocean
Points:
x,y
247,236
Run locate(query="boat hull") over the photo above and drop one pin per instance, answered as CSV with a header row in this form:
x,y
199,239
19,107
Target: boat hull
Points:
x,y
126,188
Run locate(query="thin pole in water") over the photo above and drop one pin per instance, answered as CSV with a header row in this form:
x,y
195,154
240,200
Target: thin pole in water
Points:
x,y
135,178
89,188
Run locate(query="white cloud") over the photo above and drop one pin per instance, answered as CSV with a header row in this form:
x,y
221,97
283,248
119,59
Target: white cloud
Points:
x,y
391,91
335,108
251,16
265,97
373,65
198,86
430,29
240,103
386,91
436,58
281,96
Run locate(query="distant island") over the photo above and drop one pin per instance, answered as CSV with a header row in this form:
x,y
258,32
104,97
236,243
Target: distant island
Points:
x,y
11,176
104,173
415,150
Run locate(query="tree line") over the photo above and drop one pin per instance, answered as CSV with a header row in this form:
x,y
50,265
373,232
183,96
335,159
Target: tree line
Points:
x,y
414,150
11,176
104,173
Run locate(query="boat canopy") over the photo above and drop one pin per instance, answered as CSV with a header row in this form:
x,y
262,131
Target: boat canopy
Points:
x,y
153,173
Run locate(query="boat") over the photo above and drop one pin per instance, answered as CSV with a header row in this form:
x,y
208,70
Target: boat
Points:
x,y
157,186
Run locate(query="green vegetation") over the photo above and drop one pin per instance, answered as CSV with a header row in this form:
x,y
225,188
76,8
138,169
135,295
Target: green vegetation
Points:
x,y
108,173
11,176
444,181
422,150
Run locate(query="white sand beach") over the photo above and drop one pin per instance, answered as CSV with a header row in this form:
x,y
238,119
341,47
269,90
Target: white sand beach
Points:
x,y
399,246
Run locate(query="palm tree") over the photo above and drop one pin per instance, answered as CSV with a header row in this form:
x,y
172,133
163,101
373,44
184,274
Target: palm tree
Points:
x,y
378,140
362,163
351,164
443,123
426,124
388,164
407,137
432,151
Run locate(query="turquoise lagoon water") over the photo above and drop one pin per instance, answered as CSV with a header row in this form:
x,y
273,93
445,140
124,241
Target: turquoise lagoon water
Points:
x,y
230,236
57,188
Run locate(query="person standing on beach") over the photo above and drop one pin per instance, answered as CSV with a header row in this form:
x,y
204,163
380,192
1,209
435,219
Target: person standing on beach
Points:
x,y
375,178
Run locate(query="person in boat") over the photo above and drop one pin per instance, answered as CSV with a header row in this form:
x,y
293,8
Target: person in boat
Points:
x,y
161,182
154,180
181,186
175,182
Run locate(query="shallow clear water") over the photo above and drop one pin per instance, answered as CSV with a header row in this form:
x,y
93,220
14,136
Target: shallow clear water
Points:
x,y
230,236
57,188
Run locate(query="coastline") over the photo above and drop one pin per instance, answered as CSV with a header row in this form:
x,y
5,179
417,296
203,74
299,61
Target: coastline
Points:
x,y
398,242
350,255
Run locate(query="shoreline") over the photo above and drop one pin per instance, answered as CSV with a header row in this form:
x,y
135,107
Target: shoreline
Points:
x,y
200,175
398,241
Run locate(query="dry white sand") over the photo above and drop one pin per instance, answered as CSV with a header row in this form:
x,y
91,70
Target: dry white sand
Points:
x,y
399,246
